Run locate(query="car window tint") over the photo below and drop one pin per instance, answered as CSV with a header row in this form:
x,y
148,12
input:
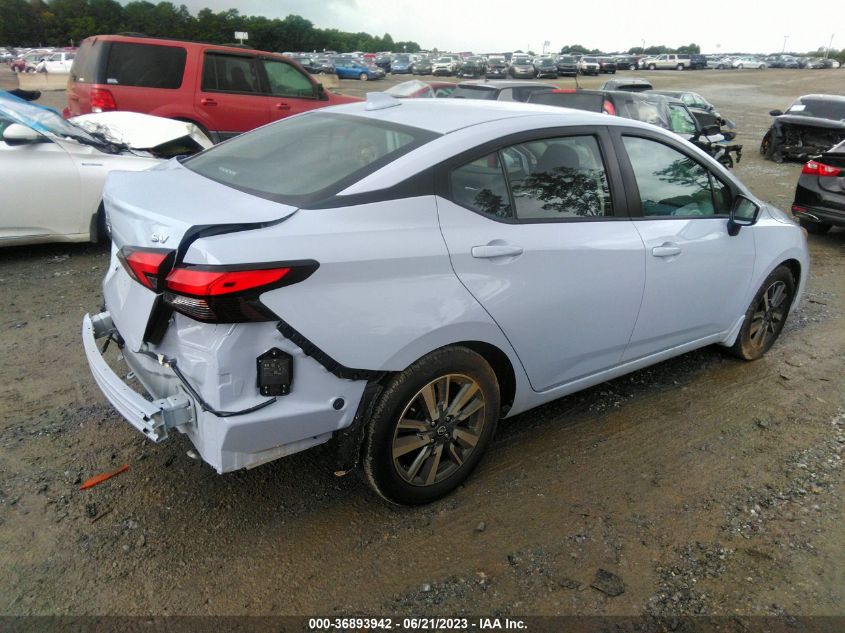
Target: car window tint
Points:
x,y
671,183
480,186
145,65
286,81
229,73
558,178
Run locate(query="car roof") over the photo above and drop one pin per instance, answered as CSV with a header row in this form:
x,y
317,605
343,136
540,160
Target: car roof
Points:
x,y
821,97
443,116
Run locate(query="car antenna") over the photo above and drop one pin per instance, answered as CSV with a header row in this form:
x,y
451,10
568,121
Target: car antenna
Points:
x,y
381,101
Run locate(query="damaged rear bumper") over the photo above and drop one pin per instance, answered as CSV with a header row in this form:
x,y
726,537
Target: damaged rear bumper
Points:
x,y
152,418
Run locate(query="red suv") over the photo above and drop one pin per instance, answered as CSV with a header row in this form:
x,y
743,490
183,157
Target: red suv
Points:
x,y
225,90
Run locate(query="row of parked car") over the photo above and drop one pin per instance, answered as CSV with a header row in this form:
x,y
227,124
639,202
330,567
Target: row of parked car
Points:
x,y
49,60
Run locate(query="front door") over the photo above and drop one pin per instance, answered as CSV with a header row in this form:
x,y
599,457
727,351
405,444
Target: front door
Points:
x,y
697,275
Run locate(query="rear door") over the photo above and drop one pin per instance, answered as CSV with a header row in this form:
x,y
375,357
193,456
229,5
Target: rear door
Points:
x,y
290,90
537,231
231,96
697,275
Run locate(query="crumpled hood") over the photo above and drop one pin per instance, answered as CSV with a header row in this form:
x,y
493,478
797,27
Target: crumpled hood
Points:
x,y
140,131
810,121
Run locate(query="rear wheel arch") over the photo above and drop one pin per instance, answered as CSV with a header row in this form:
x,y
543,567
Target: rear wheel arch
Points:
x,y
794,267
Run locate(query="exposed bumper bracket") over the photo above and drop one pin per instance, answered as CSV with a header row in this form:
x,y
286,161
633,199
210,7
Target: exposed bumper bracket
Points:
x,y
154,418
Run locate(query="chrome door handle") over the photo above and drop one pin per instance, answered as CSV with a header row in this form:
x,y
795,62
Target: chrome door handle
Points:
x,y
490,251
666,250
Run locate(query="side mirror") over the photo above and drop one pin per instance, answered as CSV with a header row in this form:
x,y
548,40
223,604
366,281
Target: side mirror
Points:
x,y
776,112
743,213
17,134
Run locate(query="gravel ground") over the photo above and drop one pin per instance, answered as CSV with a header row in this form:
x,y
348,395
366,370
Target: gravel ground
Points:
x,y
701,486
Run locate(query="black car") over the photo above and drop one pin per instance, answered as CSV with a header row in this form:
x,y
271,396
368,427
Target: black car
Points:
x,y
670,114
545,67
499,90
629,85
497,68
629,62
567,65
607,65
809,127
697,62
820,194
383,62
422,67
308,63
473,67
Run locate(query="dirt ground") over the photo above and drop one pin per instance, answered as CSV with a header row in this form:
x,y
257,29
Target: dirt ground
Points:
x,y
704,485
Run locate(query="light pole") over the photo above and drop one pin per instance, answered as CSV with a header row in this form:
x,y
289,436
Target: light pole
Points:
x,y
783,50
827,52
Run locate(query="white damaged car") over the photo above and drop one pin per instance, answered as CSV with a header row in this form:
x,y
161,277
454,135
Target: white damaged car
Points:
x,y
52,171
398,275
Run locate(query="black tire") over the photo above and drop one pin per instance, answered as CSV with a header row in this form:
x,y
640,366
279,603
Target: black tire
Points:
x,y
363,77
816,228
680,66
632,67
652,67
441,452
766,146
766,316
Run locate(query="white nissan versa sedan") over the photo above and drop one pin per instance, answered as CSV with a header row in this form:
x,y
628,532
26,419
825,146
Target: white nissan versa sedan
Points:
x,y
399,275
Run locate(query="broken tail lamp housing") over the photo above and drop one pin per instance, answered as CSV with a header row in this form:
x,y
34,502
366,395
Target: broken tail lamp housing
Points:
x,y
213,293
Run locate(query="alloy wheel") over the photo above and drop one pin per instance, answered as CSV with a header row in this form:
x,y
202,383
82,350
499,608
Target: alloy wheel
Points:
x,y
438,430
769,314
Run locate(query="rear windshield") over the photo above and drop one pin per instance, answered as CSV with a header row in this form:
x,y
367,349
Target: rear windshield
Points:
x,y
145,65
819,108
307,158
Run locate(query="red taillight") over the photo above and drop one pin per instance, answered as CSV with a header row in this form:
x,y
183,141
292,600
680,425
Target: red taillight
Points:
x,y
102,100
146,265
230,294
206,283
563,91
815,168
607,107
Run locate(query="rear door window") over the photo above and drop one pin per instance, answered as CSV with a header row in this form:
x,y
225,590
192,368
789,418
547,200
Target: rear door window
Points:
x,y
145,65
222,72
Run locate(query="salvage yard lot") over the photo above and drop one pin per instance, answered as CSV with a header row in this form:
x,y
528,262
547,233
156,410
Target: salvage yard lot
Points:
x,y
707,485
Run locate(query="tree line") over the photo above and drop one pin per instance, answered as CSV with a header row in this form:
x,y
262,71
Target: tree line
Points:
x,y
67,22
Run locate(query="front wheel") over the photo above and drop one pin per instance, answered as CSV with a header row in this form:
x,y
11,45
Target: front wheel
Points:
x,y
363,77
652,67
680,66
766,315
431,426
632,67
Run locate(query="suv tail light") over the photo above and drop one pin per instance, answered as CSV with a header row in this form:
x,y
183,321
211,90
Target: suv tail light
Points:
x,y
608,108
815,168
102,100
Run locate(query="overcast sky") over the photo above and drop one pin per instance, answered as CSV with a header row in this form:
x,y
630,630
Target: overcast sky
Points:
x,y
504,25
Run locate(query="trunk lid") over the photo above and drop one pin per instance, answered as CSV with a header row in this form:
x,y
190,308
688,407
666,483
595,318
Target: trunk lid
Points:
x,y
168,207
157,208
